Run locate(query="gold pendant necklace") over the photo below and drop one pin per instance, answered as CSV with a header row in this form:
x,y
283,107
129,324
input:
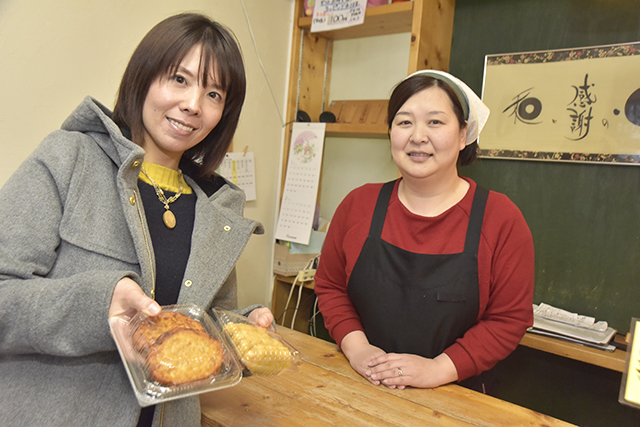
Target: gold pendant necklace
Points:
x,y
168,217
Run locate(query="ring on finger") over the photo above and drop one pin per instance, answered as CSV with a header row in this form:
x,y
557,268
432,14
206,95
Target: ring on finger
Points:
x,y
399,372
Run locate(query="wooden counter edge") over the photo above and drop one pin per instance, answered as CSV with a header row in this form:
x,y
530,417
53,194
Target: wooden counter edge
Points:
x,y
614,360
326,354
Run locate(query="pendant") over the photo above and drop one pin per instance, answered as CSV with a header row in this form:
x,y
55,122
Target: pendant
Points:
x,y
169,219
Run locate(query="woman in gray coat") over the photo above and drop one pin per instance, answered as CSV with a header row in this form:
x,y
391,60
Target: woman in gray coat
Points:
x,y
117,213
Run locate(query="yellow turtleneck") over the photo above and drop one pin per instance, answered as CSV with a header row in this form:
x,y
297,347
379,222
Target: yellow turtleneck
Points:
x,y
166,178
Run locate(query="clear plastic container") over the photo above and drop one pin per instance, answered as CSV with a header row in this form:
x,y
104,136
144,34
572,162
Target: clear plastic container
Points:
x,y
154,356
262,352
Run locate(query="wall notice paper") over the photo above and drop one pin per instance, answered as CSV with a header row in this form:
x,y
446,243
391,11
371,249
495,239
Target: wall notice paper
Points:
x,y
630,387
239,168
334,14
301,184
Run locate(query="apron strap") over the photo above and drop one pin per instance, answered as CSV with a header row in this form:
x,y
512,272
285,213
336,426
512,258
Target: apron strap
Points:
x,y
380,211
474,229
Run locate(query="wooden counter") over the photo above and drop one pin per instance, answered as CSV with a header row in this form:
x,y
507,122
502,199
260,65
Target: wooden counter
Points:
x,y
324,390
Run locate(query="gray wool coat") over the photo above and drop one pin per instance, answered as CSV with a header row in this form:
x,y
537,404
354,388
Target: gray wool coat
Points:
x,y
71,225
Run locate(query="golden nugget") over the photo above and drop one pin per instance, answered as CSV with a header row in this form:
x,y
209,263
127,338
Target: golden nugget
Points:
x,y
259,351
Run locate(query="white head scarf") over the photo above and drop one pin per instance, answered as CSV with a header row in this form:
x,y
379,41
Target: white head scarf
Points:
x,y
475,111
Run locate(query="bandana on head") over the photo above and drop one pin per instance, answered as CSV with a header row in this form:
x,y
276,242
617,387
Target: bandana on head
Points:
x,y
475,111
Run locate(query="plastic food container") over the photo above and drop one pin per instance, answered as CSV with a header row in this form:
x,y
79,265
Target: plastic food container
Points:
x,y
260,351
159,367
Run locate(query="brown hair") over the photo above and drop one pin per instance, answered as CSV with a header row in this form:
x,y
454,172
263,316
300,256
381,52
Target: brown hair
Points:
x,y
409,87
160,53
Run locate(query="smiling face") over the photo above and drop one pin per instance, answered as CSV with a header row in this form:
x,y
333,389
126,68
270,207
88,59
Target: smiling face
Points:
x,y
426,137
179,111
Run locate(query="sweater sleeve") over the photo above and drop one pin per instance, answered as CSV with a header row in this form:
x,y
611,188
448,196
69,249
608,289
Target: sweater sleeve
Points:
x,y
66,314
332,275
506,280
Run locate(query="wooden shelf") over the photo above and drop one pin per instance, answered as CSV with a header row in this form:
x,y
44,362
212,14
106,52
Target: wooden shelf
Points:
x,y
283,314
357,130
359,119
614,360
380,20
291,279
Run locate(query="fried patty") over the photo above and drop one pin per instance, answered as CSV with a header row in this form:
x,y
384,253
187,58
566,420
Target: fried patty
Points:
x,y
184,355
152,328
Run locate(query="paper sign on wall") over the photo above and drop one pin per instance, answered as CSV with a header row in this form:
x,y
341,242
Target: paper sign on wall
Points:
x,y
301,184
334,14
239,168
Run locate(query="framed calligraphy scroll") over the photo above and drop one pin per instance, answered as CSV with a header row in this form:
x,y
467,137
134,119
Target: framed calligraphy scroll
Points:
x,y
573,105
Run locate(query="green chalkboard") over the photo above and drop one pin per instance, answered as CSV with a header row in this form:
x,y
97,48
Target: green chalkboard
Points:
x,y
585,218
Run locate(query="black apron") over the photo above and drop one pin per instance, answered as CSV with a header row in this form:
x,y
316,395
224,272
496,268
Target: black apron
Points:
x,y
416,303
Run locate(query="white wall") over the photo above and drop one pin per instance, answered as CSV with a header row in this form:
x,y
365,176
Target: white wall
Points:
x,y
53,53
366,68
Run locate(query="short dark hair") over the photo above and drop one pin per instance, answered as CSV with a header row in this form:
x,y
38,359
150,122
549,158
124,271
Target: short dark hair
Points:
x,y
160,53
409,87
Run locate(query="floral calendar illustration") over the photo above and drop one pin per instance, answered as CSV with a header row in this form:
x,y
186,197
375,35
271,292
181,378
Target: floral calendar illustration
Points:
x,y
301,184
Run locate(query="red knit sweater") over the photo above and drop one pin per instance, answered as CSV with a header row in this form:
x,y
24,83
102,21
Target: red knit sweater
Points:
x,y
505,268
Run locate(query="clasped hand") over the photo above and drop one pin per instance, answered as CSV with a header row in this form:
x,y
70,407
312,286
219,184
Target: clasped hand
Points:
x,y
396,370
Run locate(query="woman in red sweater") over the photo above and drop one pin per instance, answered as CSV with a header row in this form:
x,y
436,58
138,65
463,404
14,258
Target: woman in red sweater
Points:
x,y
428,280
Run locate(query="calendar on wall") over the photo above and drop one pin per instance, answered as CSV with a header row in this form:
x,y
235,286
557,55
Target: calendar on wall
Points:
x,y
301,183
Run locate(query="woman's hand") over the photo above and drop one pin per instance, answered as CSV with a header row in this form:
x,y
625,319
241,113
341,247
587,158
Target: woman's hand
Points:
x,y
401,370
128,298
262,317
360,353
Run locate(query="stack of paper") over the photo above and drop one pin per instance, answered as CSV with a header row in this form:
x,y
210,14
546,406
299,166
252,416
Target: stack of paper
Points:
x,y
552,321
